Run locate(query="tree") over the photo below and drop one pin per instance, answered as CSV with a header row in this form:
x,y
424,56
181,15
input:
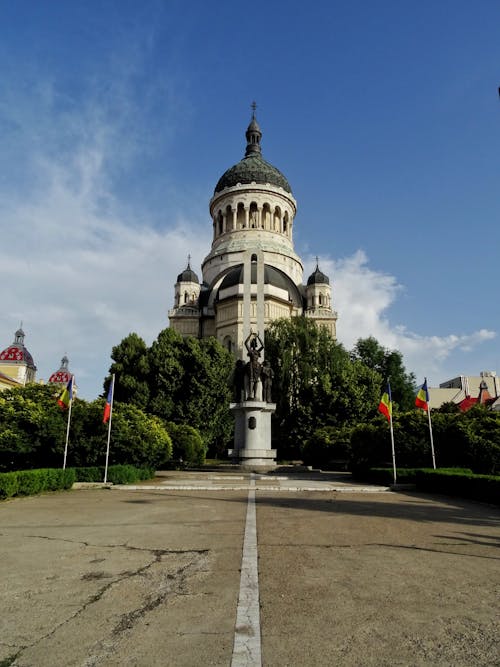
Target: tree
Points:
x,y
33,432
182,380
389,365
316,382
32,428
131,368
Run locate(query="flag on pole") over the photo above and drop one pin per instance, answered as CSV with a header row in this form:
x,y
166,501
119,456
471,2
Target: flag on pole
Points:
x,y
108,413
66,396
385,405
109,400
422,399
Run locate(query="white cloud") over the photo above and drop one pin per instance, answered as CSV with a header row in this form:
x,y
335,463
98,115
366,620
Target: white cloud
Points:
x,y
77,268
362,296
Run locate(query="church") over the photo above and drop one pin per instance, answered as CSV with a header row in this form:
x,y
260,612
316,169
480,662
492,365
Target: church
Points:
x,y
252,211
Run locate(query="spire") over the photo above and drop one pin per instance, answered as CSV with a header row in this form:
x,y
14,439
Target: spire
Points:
x,y
253,135
19,336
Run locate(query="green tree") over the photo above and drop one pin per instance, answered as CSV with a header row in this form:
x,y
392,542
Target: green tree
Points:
x,y
389,365
131,368
189,383
316,382
32,428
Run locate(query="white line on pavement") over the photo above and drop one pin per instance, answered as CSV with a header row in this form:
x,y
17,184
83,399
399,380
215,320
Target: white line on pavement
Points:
x,y
247,648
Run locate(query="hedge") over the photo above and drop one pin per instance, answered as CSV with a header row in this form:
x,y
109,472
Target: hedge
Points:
x,y
403,475
485,488
119,474
30,482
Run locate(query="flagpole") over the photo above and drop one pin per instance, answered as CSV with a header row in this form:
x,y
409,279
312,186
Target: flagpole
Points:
x,y
430,429
109,427
393,450
69,422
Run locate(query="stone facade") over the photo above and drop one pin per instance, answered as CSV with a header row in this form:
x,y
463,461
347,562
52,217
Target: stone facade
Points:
x,y
252,212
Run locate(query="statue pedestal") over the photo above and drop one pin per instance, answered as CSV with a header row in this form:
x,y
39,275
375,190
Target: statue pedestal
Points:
x,y
252,435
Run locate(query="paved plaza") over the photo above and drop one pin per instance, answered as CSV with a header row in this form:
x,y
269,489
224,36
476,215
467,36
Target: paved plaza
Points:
x,y
163,574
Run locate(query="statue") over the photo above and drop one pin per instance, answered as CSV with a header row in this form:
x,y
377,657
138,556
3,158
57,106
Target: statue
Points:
x,y
267,381
239,381
253,367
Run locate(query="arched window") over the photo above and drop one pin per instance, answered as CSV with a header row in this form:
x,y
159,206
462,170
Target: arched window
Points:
x,y
277,219
254,216
240,216
228,343
186,297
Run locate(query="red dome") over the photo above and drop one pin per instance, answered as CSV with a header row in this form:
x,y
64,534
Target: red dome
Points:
x,y
16,352
63,375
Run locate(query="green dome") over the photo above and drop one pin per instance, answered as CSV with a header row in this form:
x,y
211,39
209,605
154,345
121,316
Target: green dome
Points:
x,y
253,168
318,278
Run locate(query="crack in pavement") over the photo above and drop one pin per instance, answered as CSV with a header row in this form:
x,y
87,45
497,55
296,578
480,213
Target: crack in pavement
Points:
x,y
176,583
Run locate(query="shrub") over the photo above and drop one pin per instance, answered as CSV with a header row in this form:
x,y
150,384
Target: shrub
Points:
x,y
187,445
8,484
89,474
485,488
329,446
31,482
119,474
403,475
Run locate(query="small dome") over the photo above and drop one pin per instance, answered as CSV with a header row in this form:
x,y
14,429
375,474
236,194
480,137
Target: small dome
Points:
x,y
318,278
188,275
63,375
17,352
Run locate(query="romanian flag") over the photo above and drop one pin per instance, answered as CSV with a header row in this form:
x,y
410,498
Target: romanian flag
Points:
x,y
385,405
422,399
107,407
66,396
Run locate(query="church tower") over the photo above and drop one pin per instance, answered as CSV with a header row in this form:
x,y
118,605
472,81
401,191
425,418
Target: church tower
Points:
x,y
16,363
253,212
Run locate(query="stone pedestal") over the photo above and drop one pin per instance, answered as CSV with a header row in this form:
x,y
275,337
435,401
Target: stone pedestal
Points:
x,y
252,435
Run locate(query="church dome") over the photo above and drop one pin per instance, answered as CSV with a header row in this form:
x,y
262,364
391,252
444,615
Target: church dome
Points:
x,y
318,278
17,352
188,275
253,168
63,375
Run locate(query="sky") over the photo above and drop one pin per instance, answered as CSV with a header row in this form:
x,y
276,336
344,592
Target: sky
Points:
x,y
117,118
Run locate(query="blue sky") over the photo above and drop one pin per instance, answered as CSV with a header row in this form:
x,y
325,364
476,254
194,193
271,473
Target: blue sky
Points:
x,y
117,119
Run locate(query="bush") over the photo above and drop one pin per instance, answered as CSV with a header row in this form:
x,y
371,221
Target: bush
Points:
x,y
328,447
485,488
119,474
385,476
89,474
8,484
187,445
31,482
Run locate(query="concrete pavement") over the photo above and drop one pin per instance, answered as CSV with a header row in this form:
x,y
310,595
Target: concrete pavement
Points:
x,y
151,576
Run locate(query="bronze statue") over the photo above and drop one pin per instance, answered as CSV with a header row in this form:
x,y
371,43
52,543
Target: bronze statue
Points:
x,y
267,374
254,347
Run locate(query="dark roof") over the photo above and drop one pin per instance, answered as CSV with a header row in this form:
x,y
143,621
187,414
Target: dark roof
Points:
x,y
318,278
272,276
187,276
252,169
